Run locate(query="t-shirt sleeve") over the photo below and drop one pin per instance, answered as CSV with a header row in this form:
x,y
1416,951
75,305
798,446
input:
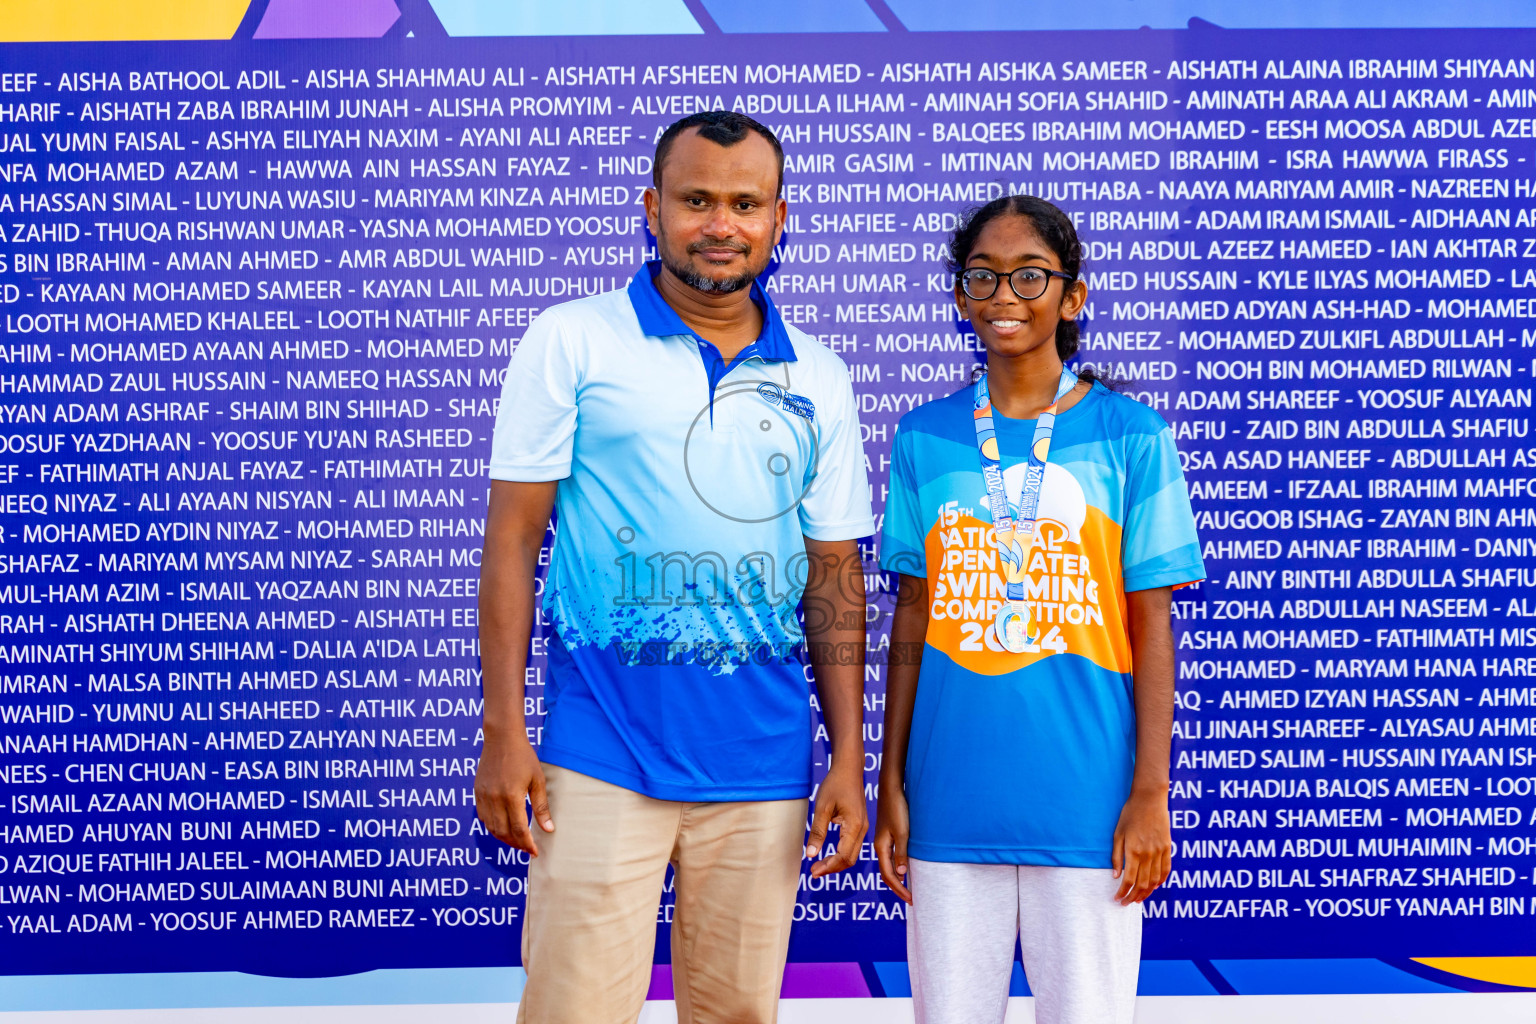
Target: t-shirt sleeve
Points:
x,y
836,503
902,540
1159,547
536,423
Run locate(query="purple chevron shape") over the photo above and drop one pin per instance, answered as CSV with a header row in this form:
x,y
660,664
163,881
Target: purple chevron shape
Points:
x,y
824,981
801,981
327,19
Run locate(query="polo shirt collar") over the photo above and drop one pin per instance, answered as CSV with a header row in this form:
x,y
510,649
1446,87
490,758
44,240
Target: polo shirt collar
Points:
x,y
659,320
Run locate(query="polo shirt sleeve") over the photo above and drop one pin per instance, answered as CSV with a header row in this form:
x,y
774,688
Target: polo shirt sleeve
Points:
x,y
536,423
836,504
1159,547
903,546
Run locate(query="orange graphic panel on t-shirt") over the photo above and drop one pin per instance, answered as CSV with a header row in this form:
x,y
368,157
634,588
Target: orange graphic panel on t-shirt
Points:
x,y
1072,589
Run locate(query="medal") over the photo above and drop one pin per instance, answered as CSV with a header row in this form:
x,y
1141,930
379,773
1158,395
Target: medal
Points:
x,y
1016,630
1012,628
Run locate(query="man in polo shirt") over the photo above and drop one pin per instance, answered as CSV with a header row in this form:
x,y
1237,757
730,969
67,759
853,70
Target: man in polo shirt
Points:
x,y
705,462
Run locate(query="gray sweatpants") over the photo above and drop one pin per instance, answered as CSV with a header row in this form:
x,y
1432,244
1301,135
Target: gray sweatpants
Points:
x,y
1082,950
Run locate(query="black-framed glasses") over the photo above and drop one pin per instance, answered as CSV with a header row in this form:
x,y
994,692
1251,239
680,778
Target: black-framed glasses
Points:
x,y
1027,282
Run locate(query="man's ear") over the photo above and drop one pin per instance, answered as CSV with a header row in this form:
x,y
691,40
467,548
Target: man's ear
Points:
x,y
652,200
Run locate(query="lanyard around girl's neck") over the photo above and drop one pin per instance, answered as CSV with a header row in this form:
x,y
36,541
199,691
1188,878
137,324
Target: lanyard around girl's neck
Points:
x,y
1014,626
1034,470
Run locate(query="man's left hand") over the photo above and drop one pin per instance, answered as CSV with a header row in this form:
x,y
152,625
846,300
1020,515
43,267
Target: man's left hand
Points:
x,y
840,801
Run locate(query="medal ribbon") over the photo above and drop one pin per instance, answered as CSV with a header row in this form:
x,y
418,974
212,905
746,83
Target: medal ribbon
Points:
x,y
1012,535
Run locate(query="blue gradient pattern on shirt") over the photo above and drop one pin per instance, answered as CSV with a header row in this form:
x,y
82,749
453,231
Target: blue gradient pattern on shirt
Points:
x,y
679,557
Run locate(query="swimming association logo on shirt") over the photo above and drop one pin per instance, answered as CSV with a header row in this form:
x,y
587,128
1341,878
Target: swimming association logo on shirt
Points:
x,y
762,472
797,404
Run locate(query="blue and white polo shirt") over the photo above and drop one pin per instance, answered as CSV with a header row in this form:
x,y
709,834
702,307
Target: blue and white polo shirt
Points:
x,y
686,491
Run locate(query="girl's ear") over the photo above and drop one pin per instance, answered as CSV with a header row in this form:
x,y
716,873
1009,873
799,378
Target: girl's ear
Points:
x,y
1074,299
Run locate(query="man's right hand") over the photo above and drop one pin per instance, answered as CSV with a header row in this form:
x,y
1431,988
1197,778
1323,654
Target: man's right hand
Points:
x,y
509,776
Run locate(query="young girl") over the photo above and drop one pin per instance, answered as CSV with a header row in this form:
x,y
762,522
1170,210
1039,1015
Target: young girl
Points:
x,y
1039,523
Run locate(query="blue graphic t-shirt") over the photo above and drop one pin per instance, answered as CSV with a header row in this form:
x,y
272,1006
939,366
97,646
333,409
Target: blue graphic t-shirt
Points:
x,y
1026,758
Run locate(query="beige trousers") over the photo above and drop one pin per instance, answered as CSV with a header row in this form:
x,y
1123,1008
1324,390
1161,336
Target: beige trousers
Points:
x,y
589,934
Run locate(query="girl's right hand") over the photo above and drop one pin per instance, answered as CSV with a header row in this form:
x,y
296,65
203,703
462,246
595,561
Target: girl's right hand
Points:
x,y
891,831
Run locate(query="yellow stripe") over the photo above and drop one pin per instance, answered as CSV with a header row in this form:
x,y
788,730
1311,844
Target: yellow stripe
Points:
x,y
1500,970
79,21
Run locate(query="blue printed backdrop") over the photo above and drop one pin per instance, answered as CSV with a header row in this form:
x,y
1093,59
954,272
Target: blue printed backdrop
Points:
x,y
259,295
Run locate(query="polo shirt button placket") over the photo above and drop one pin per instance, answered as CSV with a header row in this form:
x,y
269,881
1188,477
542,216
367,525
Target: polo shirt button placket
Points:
x,y
724,407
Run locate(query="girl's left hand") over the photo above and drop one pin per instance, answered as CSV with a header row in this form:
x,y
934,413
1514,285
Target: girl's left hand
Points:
x,y
1142,851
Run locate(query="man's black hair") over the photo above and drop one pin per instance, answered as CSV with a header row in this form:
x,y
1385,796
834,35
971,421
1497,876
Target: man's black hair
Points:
x,y
723,128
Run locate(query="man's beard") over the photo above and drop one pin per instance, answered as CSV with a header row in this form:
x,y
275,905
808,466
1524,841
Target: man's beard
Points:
x,y
686,273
